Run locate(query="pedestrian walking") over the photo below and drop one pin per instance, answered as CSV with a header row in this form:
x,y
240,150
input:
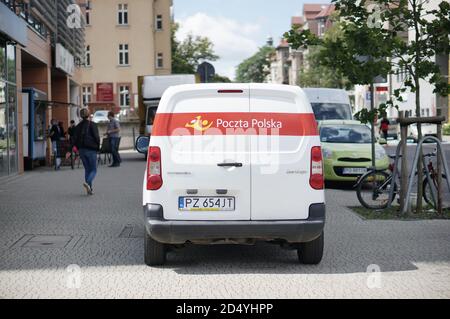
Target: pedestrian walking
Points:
x,y
384,128
113,134
71,132
87,141
56,134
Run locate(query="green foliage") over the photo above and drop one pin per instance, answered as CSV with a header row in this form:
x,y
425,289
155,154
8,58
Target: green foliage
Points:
x,y
187,55
256,68
446,130
320,75
220,79
363,35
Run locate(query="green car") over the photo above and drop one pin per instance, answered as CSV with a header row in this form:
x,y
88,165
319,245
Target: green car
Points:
x,y
346,147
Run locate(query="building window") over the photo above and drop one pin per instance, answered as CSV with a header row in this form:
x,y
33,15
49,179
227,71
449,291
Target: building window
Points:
x,y
123,54
159,22
88,17
124,96
160,61
8,110
123,14
88,56
87,95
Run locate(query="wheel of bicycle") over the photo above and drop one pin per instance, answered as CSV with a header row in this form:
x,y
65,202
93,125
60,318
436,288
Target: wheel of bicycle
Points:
x,y
427,190
373,191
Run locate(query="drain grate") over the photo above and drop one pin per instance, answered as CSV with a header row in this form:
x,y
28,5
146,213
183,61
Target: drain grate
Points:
x,y
132,231
47,241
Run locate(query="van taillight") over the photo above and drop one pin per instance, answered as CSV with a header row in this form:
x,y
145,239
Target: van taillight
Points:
x,y
154,178
316,178
230,91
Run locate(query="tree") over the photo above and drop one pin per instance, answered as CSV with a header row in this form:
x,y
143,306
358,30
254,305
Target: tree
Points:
x,y
256,68
365,34
220,79
319,75
188,54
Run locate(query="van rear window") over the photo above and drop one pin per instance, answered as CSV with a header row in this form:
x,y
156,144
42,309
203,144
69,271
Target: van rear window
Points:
x,y
331,111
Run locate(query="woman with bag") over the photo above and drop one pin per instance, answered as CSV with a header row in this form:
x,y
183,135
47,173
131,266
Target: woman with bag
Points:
x,y
87,141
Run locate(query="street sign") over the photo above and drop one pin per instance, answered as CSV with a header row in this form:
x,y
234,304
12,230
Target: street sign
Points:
x,y
105,92
206,72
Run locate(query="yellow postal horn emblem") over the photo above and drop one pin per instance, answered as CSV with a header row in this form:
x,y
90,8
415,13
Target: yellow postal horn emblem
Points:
x,y
199,125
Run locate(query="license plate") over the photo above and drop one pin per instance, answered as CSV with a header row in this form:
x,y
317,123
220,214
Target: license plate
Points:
x,y
211,204
354,171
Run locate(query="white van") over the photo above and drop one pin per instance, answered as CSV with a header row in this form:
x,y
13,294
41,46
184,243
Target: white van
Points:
x,y
330,104
234,164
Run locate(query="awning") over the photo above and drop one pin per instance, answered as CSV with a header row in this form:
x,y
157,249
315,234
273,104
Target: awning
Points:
x,y
12,26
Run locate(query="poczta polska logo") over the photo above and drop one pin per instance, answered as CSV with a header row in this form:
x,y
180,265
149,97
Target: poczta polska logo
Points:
x,y
199,125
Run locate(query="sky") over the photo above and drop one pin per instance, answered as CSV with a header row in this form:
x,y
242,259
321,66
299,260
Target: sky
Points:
x,y
237,28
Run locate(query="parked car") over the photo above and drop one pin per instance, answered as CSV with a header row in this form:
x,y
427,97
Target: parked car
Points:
x,y
427,130
212,178
100,117
330,104
347,150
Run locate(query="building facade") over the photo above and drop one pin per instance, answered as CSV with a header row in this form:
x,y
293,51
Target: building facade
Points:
x,y
287,62
431,103
40,51
124,39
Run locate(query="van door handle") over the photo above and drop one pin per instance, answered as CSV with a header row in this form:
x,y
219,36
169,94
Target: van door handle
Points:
x,y
230,165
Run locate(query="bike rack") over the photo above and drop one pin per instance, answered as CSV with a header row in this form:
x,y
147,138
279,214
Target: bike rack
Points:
x,y
419,151
395,172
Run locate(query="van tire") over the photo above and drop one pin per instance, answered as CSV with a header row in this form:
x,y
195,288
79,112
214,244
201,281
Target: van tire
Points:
x,y
311,253
155,252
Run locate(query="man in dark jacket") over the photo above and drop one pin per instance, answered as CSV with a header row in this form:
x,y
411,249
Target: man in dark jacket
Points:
x,y
87,140
56,135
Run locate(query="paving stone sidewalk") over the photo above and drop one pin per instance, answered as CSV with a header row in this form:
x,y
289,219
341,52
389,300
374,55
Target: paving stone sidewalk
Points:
x,y
47,224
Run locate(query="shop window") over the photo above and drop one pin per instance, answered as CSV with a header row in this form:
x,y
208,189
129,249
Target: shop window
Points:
x,y
12,128
2,61
3,131
11,63
123,14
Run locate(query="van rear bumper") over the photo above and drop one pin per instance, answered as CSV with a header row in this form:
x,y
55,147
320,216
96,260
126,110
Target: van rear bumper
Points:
x,y
181,232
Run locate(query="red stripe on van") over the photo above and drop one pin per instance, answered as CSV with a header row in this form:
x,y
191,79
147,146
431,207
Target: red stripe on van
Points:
x,y
283,124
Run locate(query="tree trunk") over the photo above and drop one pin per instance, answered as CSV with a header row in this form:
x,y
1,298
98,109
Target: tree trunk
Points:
x,y
417,17
419,205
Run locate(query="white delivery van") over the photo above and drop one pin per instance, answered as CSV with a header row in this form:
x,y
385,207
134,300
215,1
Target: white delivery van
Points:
x,y
234,164
329,104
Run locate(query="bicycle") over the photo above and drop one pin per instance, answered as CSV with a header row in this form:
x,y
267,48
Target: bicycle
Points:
x,y
373,188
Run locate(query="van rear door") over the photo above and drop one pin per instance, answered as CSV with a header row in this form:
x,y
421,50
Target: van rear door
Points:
x,y
205,159
281,153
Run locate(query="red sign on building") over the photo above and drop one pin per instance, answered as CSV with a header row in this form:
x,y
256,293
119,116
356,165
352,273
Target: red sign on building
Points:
x,y
105,92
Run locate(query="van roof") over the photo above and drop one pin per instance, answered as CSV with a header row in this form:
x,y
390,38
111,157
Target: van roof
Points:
x,y
325,95
261,89
287,95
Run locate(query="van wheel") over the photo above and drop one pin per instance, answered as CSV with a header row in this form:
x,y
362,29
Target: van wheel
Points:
x,y
311,253
155,252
